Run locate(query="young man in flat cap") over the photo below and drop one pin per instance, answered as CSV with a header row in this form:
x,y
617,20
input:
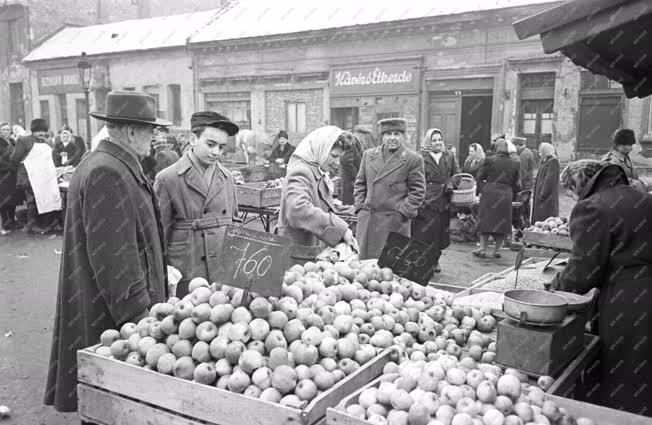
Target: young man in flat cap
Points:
x,y
113,266
197,199
389,189
622,141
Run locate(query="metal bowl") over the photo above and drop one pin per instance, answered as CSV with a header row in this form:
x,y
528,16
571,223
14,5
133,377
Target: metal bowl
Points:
x,y
534,307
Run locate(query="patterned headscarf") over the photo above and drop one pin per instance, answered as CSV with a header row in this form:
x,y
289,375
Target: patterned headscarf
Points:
x,y
577,174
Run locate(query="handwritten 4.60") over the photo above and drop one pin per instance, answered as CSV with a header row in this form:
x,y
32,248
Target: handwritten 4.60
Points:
x,y
251,265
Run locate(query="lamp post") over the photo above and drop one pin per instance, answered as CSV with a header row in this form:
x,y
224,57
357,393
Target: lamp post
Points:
x,y
84,67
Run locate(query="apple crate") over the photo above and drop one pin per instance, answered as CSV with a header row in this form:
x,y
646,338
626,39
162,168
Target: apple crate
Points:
x,y
256,195
561,243
599,414
112,392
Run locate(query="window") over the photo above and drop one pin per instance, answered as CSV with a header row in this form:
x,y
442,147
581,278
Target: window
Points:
x,y
63,109
13,38
45,110
238,111
345,117
174,104
296,117
153,91
536,119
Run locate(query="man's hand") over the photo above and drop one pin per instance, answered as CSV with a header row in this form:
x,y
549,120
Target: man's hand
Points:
x,y
174,276
350,240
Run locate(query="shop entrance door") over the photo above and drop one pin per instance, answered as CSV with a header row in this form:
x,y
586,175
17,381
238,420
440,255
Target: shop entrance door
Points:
x,y
475,124
444,114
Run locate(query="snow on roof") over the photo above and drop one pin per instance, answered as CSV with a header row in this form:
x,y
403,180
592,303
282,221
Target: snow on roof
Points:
x,y
255,18
124,36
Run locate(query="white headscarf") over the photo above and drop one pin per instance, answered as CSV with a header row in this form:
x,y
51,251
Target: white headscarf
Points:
x,y
546,150
315,149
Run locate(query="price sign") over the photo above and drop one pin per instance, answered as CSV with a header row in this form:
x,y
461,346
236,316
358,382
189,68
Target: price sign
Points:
x,y
253,261
409,258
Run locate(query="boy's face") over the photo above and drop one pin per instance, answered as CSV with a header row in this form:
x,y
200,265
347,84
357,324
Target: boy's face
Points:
x,y
210,145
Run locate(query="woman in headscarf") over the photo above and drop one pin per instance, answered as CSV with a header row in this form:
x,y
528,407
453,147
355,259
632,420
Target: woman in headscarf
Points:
x,y
474,160
611,230
499,181
66,151
432,224
308,214
546,185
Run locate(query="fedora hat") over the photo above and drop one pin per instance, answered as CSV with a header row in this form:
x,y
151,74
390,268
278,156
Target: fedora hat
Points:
x,y
130,107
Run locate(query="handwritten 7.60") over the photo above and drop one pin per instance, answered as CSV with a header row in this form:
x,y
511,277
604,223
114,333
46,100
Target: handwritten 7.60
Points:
x,y
251,265
409,257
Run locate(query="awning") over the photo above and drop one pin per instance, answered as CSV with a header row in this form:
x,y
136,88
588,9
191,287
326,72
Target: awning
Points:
x,y
608,37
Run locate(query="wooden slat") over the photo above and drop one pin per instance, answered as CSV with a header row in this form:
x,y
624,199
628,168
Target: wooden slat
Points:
x,y
178,395
563,243
106,408
561,15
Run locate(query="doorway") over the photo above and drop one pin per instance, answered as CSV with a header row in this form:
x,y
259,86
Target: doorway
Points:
x,y
475,124
444,114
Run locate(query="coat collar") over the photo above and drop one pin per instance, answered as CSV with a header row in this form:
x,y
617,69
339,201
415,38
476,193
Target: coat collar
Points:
x,y
126,156
186,168
382,167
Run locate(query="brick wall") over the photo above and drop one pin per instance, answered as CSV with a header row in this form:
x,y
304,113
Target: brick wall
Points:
x,y
275,110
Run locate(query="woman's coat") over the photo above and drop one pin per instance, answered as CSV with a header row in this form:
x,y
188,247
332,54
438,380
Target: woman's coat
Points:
x,y
546,191
498,181
612,252
388,194
194,217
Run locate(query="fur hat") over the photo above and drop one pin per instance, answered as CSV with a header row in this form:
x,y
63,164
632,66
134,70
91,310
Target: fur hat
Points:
x,y
283,134
39,124
624,136
393,124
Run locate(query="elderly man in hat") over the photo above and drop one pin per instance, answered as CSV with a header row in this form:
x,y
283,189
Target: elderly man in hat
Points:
x,y
197,200
389,189
113,264
622,141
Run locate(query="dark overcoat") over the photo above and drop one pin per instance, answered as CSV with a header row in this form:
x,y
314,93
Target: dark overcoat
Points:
x,y
546,191
8,193
526,160
611,230
112,266
282,152
23,146
498,181
432,224
307,213
388,194
73,149
194,217
350,163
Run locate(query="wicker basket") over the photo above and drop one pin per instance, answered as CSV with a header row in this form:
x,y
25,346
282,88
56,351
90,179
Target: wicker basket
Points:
x,y
463,190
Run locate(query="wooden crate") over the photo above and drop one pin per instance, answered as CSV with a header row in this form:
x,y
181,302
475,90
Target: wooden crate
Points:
x,y
254,173
562,243
256,195
600,415
112,392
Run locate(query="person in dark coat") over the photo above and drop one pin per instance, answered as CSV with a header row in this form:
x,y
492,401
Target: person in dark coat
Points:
x,y
350,165
283,150
432,223
198,200
164,156
526,160
8,194
546,186
623,140
113,266
612,252
475,159
66,151
499,181
389,189
79,141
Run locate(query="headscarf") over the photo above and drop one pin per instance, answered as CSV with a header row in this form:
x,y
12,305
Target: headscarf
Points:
x,y
546,150
426,144
18,131
478,152
511,148
315,149
577,174
70,139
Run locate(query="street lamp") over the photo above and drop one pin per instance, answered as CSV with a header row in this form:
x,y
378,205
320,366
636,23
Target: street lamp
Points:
x,y
84,67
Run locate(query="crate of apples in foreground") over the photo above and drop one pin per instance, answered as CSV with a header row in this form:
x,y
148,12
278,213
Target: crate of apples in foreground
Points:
x,y
448,391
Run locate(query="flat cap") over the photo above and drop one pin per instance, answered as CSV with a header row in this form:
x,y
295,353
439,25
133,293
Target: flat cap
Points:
x,y
213,119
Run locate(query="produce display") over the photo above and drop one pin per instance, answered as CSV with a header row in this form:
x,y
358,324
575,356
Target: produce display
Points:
x,y
527,279
445,390
269,184
552,225
331,319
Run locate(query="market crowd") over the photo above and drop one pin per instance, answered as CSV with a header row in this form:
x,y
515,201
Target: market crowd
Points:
x,y
143,208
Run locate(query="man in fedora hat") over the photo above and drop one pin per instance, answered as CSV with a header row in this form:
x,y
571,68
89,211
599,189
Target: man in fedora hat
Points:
x,y
389,189
113,264
197,199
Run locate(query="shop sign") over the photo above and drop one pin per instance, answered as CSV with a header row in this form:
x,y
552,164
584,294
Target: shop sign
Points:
x,y
375,79
55,81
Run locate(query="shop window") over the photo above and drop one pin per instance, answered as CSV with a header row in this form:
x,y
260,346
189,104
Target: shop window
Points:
x,y
174,103
45,110
296,117
63,109
238,111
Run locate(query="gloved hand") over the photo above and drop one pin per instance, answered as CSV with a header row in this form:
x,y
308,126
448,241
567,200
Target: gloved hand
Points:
x,y
174,276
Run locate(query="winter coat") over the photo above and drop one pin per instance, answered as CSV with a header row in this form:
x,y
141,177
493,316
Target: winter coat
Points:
x,y
617,158
472,165
194,218
612,252
23,147
73,151
388,194
282,152
8,195
350,164
307,213
545,198
113,265
526,160
498,182
432,224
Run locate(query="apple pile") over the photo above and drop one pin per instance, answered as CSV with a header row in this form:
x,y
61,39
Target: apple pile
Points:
x,y
448,391
551,225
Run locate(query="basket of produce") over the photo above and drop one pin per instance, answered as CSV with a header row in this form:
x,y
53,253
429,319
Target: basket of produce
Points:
x,y
464,188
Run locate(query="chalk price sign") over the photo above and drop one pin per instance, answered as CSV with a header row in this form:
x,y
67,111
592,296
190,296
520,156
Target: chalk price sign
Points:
x,y
254,261
409,258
